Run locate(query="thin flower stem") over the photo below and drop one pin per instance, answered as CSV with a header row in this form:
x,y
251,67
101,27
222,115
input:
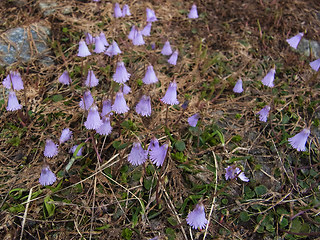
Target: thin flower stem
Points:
x,y
166,123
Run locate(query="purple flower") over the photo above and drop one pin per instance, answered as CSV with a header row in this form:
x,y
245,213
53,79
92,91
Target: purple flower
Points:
x,y
13,103
150,76
232,172
151,16
13,77
93,119
105,129
120,105
106,107
121,75
173,59
74,148
158,154
99,45
171,95
66,134
238,87
117,11
299,140
166,50
144,106
126,89
154,143
133,32
65,78
264,113
193,12
193,120
147,29
83,49
86,101
138,39
91,81
113,49
197,218
51,149
294,41
47,177
153,46
315,65
102,37
89,39
268,79
137,155
125,11
185,105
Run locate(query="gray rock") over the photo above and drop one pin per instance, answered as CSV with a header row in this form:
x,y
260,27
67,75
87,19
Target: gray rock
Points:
x,y
49,7
305,45
25,44
19,3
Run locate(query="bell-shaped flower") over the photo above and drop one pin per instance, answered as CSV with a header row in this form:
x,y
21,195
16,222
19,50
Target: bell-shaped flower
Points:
x,y
264,113
51,149
171,95
105,129
113,49
193,120
106,107
120,105
93,120
197,218
151,16
144,106
89,39
126,89
294,41
193,12
147,29
138,39
185,105
233,172
154,143
121,75
268,79
102,37
65,78
132,32
238,87
99,45
83,49
150,76
86,101
13,103
91,81
166,50
153,46
174,57
47,177
315,65
157,155
137,155
66,134
13,79
299,140
117,11
74,148
126,10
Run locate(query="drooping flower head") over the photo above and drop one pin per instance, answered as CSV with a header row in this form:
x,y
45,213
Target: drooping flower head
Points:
x,y
93,120
144,106
121,75
126,89
91,81
137,155
174,57
150,76
268,79
105,129
171,95
315,65
294,41
51,149
47,177
113,49
154,143
153,46
102,37
86,101
83,49
151,16
117,11
193,120
74,148
197,218
264,113
106,107
138,39
89,39
299,140
13,103
233,172
65,78
66,134
166,50
13,79
147,29
120,105
238,87
132,33
193,12
126,10
185,105
99,45
158,154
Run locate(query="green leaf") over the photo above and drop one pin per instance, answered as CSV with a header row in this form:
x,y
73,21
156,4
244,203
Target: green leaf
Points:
x,y
170,234
17,193
147,184
118,146
49,208
244,216
16,209
172,221
284,222
57,98
180,145
103,227
260,190
127,233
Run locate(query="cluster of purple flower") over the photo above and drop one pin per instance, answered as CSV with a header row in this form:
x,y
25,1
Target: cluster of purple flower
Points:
x,y
13,82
